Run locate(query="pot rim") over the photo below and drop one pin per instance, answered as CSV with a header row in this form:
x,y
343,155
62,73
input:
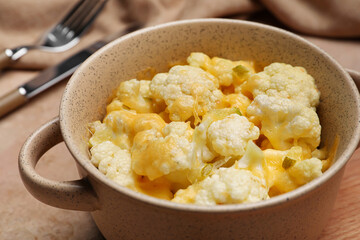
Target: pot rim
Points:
x,y
94,173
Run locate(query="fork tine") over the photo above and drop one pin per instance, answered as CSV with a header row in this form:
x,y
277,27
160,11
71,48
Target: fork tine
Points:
x,y
81,8
85,17
63,35
70,15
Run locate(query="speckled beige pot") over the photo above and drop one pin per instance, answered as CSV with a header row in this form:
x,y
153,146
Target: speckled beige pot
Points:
x,y
123,214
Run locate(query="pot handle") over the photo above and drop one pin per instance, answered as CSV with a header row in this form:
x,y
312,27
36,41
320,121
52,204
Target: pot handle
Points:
x,y
355,76
73,195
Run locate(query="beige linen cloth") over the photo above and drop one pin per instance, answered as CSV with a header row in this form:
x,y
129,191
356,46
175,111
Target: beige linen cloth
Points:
x,y
333,25
23,22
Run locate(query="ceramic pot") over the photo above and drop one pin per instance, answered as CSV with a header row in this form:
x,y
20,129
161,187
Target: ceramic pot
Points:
x,y
121,213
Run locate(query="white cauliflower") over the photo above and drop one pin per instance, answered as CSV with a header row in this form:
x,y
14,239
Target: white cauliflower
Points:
x,y
227,71
285,170
187,91
117,128
255,134
155,154
286,81
103,132
229,136
225,186
99,133
120,126
253,160
136,95
305,171
285,122
113,162
202,150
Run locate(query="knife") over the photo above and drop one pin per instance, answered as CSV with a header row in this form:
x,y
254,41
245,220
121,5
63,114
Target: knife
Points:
x,y
53,75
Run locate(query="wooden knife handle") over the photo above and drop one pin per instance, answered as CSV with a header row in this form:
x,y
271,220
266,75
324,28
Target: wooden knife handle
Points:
x,y
11,101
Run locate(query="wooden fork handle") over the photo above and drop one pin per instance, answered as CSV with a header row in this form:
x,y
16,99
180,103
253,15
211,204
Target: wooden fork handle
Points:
x,y
11,101
5,59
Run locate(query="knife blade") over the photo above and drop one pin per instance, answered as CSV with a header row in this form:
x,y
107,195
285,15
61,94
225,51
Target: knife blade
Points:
x,y
52,75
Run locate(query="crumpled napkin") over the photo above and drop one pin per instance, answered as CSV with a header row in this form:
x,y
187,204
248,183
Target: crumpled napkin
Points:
x,y
23,21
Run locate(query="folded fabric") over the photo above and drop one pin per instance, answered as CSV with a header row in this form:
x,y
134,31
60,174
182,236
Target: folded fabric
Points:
x,y
23,21
330,18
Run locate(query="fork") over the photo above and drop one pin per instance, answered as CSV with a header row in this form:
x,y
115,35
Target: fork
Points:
x,y
63,35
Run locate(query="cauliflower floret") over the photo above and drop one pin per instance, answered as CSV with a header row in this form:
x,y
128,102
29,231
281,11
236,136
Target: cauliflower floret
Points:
x,y
99,133
253,160
155,154
254,135
277,177
284,80
200,60
108,132
222,68
225,186
289,169
113,162
230,135
187,91
305,171
136,95
120,126
202,149
286,123
120,123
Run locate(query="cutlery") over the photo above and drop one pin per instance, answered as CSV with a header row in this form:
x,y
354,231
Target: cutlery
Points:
x,y
63,35
53,75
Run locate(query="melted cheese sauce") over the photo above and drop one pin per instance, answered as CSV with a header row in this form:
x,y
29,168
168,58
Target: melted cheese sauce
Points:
x,y
214,131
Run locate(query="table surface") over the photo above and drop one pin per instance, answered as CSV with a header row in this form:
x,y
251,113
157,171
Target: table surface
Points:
x,y
23,217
